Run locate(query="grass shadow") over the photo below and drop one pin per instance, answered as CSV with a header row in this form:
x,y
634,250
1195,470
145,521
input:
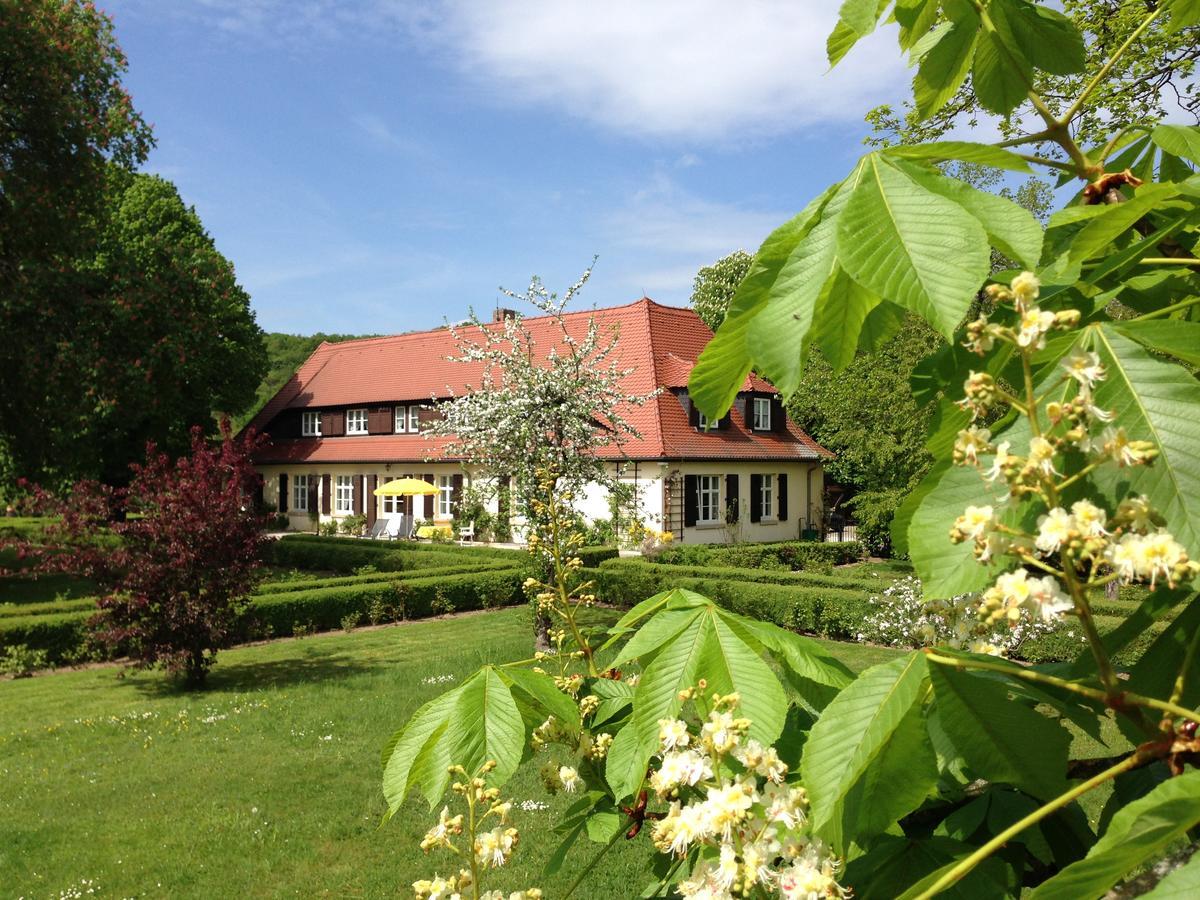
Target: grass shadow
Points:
x,y
227,677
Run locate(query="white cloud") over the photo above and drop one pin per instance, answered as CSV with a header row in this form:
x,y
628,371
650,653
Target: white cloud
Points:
x,y
691,69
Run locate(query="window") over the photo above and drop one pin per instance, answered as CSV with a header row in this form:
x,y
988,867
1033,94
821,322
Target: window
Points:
x,y
401,420
356,421
343,496
310,424
300,493
391,505
414,419
767,496
701,421
445,496
709,488
762,413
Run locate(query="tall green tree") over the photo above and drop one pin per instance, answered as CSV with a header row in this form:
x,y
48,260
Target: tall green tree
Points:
x,y
119,320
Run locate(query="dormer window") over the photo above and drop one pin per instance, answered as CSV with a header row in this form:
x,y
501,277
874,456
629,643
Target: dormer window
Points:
x,y
762,414
310,424
701,421
414,418
356,421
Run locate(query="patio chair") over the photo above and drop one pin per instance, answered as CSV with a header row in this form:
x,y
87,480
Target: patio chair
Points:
x,y
466,533
394,528
377,530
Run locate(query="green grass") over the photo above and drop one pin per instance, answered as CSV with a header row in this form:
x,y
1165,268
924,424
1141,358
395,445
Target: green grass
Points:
x,y
265,785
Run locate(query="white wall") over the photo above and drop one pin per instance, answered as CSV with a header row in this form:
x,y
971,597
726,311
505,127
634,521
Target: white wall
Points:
x,y
650,480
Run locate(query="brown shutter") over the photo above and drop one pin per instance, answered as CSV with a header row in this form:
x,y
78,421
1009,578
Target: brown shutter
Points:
x,y
691,500
693,414
778,415
372,500
456,492
358,494
283,494
755,498
781,500
326,490
429,497
731,498
747,401
379,420
326,424
312,492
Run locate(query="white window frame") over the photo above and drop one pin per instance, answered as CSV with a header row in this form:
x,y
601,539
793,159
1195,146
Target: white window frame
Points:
x,y
414,419
310,424
299,493
445,497
362,426
766,498
701,420
343,495
762,414
708,487
400,424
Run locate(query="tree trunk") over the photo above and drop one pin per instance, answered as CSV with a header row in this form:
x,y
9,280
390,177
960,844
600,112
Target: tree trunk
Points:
x,y
541,632
1112,591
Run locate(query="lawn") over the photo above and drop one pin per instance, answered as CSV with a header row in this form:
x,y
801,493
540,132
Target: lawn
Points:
x,y
265,785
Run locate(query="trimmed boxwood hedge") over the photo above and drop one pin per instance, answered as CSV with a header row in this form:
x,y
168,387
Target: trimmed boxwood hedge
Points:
x,y
762,576
59,634
288,587
475,550
323,608
49,607
829,611
785,555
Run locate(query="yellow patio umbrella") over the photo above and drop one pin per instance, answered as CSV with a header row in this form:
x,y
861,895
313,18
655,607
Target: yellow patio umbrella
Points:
x,y
405,487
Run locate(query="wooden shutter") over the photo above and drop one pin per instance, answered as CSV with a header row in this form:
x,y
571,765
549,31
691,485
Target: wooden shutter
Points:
x,y
781,500
691,500
748,401
755,498
372,500
456,494
283,492
689,407
326,491
778,415
333,424
732,513
380,420
429,497
358,494
312,492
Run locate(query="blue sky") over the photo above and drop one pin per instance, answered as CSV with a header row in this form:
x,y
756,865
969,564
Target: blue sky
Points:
x,y
374,166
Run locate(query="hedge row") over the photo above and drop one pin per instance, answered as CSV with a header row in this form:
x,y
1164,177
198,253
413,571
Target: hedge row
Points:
x,y
762,576
347,559
48,607
784,555
288,587
828,611
320,609
591,556
24,526
416,546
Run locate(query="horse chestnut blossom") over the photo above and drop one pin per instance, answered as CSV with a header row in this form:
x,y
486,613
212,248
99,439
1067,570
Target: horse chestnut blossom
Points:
x,y
732,812
489,847
1071,550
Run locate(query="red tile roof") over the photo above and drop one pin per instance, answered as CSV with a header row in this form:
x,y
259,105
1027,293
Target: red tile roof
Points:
x,y
659,343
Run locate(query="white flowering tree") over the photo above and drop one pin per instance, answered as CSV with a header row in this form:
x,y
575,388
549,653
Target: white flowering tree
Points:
x,y
546,403
1065,436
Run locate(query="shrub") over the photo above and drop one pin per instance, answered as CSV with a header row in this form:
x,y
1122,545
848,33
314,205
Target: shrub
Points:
x,y
353,525
350,556
62,605
350,621
60,635
592,556
469,550
327,529
20,661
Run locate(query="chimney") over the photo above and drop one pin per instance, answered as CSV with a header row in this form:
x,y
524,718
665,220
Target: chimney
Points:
x,y
503,315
